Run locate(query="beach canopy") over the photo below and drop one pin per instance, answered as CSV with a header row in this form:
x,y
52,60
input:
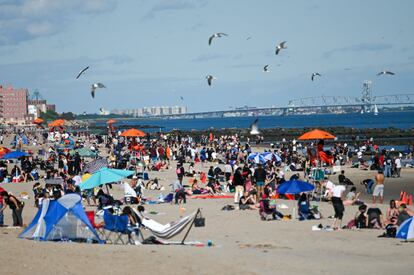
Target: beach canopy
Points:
x,y
15,155
406,229
111,121
57,123
316,134
256,158
3,151
133,133
38,121
62,219
294,187
103,176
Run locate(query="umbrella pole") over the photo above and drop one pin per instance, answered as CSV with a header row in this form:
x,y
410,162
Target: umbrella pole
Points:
x,y
107,189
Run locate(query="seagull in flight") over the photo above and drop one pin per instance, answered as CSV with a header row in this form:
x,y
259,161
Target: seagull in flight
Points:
x,y
96,86
210,79
182,98
82,71
248,38
385,72
315,74
280,47
254,128
266,69
218,34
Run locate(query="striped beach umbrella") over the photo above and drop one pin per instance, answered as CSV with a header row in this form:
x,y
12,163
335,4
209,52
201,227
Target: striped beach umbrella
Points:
x,y
406,230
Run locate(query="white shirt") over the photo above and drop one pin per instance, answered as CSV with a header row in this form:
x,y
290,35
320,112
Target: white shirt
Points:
x,y
227,168
398,163
338,190
329,185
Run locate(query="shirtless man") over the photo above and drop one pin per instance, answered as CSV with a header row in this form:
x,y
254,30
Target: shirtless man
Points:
x,y
379,187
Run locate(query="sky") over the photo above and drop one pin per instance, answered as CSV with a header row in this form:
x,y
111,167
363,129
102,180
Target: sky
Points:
x,y
151,53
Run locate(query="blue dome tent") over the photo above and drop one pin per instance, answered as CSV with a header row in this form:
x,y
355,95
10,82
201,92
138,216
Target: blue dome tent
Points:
x,y
61,220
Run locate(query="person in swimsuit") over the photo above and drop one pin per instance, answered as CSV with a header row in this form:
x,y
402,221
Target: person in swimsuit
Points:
x,y
379,188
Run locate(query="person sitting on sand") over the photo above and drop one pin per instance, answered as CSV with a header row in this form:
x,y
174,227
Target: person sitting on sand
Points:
x,y
375,219
197,190
352,197
247,201
304,211
153,185
392,213
404,214
361,217
267,208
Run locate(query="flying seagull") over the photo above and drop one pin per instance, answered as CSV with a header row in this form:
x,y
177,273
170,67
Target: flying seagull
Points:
x,y
218,34
254,127
210,79
82,71
266,69
182,98
96,86
280,47
248,38
385,72
315,74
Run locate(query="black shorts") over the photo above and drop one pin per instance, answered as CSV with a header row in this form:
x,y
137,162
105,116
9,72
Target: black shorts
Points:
x,y
338,207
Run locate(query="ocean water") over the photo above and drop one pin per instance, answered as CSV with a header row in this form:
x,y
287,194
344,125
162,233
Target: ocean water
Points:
x,y
401,120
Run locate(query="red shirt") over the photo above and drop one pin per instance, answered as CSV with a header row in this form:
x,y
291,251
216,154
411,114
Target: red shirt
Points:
x,y
1,197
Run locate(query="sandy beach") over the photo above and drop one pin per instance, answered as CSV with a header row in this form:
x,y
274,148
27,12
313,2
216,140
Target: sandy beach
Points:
x,y
242,243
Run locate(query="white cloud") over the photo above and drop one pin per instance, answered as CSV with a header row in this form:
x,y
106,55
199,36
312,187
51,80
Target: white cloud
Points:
x,y
22,20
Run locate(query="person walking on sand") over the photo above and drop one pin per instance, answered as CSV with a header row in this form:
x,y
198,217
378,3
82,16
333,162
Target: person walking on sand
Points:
x,y
379,187
337,195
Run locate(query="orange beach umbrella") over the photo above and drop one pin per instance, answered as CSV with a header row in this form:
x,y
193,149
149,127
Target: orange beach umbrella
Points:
x,y
111,121
3,151
316,134
57,123
133,133
38,121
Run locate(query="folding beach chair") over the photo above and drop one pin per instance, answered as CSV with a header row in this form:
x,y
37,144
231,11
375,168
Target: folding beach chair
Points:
x,y
91,218
117,225
172,229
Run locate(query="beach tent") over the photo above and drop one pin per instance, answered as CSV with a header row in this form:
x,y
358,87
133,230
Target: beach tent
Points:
x,y
406,229
133,133
62,219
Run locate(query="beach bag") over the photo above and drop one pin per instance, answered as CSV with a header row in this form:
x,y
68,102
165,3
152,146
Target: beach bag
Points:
x,y
199,220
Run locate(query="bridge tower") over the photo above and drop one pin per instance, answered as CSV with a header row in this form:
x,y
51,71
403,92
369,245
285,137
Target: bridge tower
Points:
x,y
366,97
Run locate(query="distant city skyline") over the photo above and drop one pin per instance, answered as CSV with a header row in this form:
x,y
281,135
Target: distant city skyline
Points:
x,y
156,53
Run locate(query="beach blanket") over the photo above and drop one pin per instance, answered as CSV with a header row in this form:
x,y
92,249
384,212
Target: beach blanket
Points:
x,y
211,197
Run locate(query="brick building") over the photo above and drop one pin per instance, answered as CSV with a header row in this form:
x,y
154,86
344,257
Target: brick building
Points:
x,y
13,103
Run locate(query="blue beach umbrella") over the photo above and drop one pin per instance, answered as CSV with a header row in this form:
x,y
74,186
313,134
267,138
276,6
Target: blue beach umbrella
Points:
x,y
406,230
294,187
271,156
15,155
256,157
105,175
